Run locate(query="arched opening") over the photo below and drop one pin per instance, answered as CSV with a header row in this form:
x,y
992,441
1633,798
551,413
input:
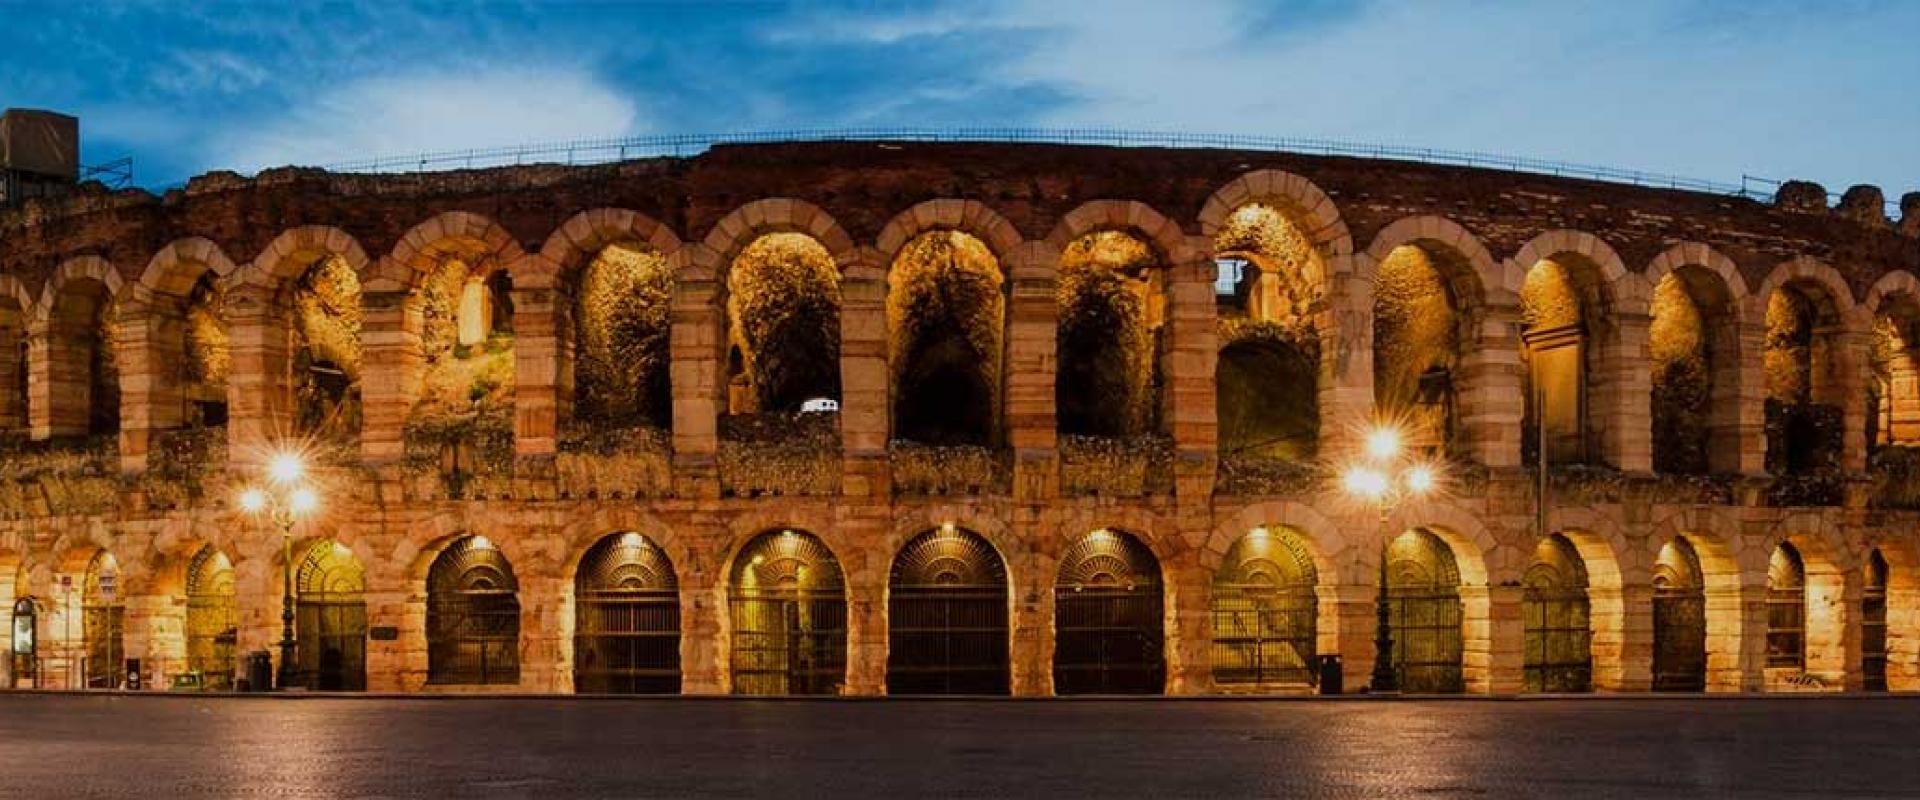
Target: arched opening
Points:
x,y
82,376
621,330
13,365
1267,381
1893,405
1679,619
207,359
1111,336
1873,624
626,634
1786,609
461,422
1804,423
1108,618
947,616
473,616
1425,613
330,619
946,318
212,619
787,605
1557,618
1416,345
1559,300
1264,613
1691,337
325,304
783,311
103,622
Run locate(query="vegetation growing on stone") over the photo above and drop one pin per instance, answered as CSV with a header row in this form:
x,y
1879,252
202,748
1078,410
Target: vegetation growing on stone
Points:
x,y
1682,383
621,334
1109,334
326,350
783,305
1414,337
945,312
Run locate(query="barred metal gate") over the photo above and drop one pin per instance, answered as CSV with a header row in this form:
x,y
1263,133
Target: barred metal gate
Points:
x,y
103,624
1786,609
947,616
330,619
1108,619
1679,621
473,616
1557,620
788,609
211,619
1264,613
627,619
1425,614
1873,625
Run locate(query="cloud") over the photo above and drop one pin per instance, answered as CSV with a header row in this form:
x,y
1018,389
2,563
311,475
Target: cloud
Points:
x,y
433,111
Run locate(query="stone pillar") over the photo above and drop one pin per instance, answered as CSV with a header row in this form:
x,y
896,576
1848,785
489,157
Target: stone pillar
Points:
x,y
1492,393
1032,340
1622,638
542,368
59,384
1903,638
1356,607
256,599
865,412
1833,626
156,633
260,401
1189,637
698,345
1030,654
390,373
703,634
400,664
1737,442
1346,361
1845,386
150,340
1194,355
1623,392
544,630
13,400
866,637
1737,636
1505,640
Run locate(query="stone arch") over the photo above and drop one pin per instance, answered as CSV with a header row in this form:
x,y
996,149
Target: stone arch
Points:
x,y
175,332
1576,361
71,357
910,522
1814,371
1830,571
1713,536
1892,378
1314,210
473,614
968,216
1124,215
296,370
1325,540
462,233
778,215
580,288
174,269
568,249
621,620
1901,598
947,310
290,253
1114,292
1837,299
1484,278
808,581
1697,312
1110,609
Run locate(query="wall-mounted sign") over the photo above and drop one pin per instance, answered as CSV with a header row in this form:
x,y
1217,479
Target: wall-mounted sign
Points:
x,y
383,633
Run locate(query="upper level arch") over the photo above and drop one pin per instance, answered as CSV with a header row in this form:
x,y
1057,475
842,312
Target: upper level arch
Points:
x,y
72,273
1123,215
1472,272
966,216
461,235
1303,202
739,228
584,235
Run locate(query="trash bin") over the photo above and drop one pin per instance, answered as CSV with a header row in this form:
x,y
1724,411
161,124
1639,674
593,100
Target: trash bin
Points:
x,y
133,674
259,671
1330,681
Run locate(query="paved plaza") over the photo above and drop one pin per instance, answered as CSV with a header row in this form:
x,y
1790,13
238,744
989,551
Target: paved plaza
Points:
x,y
335,747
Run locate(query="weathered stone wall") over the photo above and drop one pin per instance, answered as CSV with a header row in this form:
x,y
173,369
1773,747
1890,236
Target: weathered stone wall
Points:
x,y
863,203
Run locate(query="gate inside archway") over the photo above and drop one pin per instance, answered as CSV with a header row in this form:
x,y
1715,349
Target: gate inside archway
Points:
x,y
1786,609
947,616
788,608
1873,625
330,621
103,623
1558,620
1264,614
626,619
1423,583
1109,623
1679,620
473,616
212,629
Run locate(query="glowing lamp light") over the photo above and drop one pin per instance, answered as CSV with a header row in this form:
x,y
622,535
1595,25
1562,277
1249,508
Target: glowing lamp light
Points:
x,y
1420,479
303,501
1383,443
253,500
286,468
1368,483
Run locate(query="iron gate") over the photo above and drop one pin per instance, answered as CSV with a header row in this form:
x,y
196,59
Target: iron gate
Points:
x,y
1679,621
1264,613
1873,625
473,616
1108,619
330,620
1556,616
788,608
947,616
1424,614
103,624
211,619
1786,609
627,619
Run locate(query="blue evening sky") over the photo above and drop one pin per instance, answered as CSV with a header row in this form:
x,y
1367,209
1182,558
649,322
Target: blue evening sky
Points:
x,y
1828,90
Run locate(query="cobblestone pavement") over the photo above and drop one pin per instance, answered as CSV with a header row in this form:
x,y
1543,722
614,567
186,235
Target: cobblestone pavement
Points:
x,y
186,747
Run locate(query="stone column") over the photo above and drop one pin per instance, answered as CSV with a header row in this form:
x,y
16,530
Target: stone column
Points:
x,y
390,372
256,599
1194,345
1355,605
260,402
698,345
703,634
1737,636
1505,642
13,338
1737,442
1845,386
865,402
1030,653
1346,360
866,638
1623,394
1833,626
149,345
1903,638
1623,655
542,368
59,385
1189,637
1492,393
1031,351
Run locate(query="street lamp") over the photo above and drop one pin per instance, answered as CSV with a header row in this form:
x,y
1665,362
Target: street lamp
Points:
x,y
1385,478
283,500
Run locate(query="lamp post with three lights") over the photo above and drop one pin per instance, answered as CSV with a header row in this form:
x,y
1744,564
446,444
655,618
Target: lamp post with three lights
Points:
x,y
1384,478
283,500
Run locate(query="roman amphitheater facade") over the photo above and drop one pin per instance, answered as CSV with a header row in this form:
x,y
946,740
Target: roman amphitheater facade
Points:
x,y
864,418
